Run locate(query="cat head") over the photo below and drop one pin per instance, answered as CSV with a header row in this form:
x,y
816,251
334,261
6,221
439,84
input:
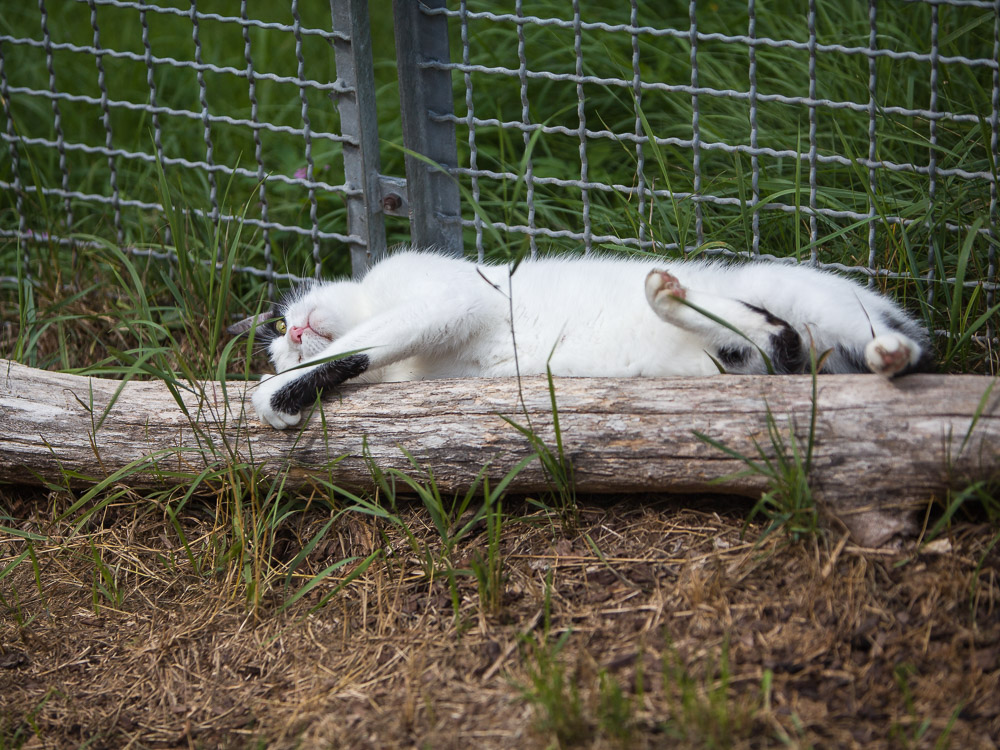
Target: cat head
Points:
x,y
304,324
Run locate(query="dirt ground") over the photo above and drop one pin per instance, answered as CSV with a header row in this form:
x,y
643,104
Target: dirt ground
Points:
x,y
650,623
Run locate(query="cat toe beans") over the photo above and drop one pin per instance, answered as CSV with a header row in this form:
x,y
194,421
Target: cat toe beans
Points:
x,y
662,291
663,283
890,354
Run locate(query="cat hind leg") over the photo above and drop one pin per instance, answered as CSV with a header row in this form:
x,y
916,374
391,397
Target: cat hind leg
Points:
x,y
686,308
663,290
737,350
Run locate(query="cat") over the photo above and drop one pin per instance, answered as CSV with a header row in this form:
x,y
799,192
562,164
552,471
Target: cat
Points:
x,y
417,315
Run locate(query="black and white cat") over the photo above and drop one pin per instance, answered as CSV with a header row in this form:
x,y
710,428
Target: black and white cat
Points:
x,y
418,316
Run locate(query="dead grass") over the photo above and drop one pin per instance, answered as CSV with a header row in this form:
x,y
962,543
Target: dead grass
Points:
x,y
680,634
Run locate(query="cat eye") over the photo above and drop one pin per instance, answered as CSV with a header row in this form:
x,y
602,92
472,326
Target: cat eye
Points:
x,y
280,327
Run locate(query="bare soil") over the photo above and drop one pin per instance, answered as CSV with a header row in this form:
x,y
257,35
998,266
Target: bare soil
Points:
x,y
648,623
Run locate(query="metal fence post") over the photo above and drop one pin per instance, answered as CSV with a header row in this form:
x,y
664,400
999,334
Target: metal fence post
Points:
x,y
425,93
359,122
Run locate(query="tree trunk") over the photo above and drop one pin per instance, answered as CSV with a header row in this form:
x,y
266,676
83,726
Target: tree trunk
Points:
x,y
882,448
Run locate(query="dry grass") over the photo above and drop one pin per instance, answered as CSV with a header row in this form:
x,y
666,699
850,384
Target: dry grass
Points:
x,y
679,633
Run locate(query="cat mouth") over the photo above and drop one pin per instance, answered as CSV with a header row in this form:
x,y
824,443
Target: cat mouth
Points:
x,y
298,334
312,333
309,341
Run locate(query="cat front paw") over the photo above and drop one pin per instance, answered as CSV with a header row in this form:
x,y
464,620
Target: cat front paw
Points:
x,y
663,291
263,402
890,354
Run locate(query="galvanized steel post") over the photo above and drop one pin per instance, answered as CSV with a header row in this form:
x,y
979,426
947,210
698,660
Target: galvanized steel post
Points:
x,y
359,123
425,94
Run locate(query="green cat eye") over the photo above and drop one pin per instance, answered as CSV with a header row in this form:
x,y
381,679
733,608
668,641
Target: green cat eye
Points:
x,y
280,327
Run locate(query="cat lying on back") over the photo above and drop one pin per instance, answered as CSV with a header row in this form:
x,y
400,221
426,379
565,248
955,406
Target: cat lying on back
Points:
x,y
417,316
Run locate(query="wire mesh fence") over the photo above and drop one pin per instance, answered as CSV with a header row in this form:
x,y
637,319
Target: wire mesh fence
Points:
x,y
257,115
856,136
780,134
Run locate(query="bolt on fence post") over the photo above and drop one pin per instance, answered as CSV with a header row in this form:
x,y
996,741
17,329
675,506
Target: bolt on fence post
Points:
x,y
424,96
359,123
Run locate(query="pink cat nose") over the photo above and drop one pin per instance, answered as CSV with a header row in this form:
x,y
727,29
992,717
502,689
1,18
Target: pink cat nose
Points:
x,y
295,333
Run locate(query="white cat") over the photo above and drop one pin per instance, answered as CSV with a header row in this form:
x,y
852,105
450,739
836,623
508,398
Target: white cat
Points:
x,y
418,316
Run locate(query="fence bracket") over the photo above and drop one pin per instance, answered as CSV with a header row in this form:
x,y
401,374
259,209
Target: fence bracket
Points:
x,y
392,196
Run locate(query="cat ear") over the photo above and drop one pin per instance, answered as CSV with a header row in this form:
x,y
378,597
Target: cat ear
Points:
x,y
243,326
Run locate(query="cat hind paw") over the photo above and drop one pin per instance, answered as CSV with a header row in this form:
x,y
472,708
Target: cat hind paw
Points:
x,y
890,354
663,291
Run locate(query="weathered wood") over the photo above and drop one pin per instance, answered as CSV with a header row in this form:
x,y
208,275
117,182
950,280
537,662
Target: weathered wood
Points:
x,y
882,447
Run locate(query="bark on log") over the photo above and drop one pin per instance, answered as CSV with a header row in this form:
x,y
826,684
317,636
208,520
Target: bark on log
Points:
x,y
882,448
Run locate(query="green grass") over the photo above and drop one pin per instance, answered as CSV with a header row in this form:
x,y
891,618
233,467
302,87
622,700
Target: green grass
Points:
x,y
573,708
704,711
555,694
784,461
555,463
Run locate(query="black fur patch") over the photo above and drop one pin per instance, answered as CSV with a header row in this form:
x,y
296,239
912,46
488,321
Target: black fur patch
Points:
x,y
925,363
771,318
732,357
785,348
897,324
303,391
787,353
853,360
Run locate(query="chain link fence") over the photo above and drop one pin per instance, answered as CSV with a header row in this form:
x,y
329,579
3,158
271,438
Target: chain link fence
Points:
x,y
862,137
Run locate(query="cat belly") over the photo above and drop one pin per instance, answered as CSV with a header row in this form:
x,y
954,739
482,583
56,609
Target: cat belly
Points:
x,y
647,347
424,368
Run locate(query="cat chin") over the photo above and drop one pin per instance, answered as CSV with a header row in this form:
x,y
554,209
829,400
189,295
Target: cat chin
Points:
x,y
282,358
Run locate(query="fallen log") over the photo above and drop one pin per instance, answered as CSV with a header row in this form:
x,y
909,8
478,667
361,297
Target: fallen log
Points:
x,y
882,448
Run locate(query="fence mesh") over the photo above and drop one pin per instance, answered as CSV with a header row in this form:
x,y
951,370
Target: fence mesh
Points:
x,y
230,104
816,125
856,136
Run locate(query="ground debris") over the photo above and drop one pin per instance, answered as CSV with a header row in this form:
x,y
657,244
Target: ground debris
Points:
x,y
637,624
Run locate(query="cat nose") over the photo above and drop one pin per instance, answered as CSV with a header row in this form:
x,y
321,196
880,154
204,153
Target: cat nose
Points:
x,y
295,334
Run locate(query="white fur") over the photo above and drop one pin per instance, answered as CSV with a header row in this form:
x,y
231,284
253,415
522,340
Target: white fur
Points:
x,y
421,316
